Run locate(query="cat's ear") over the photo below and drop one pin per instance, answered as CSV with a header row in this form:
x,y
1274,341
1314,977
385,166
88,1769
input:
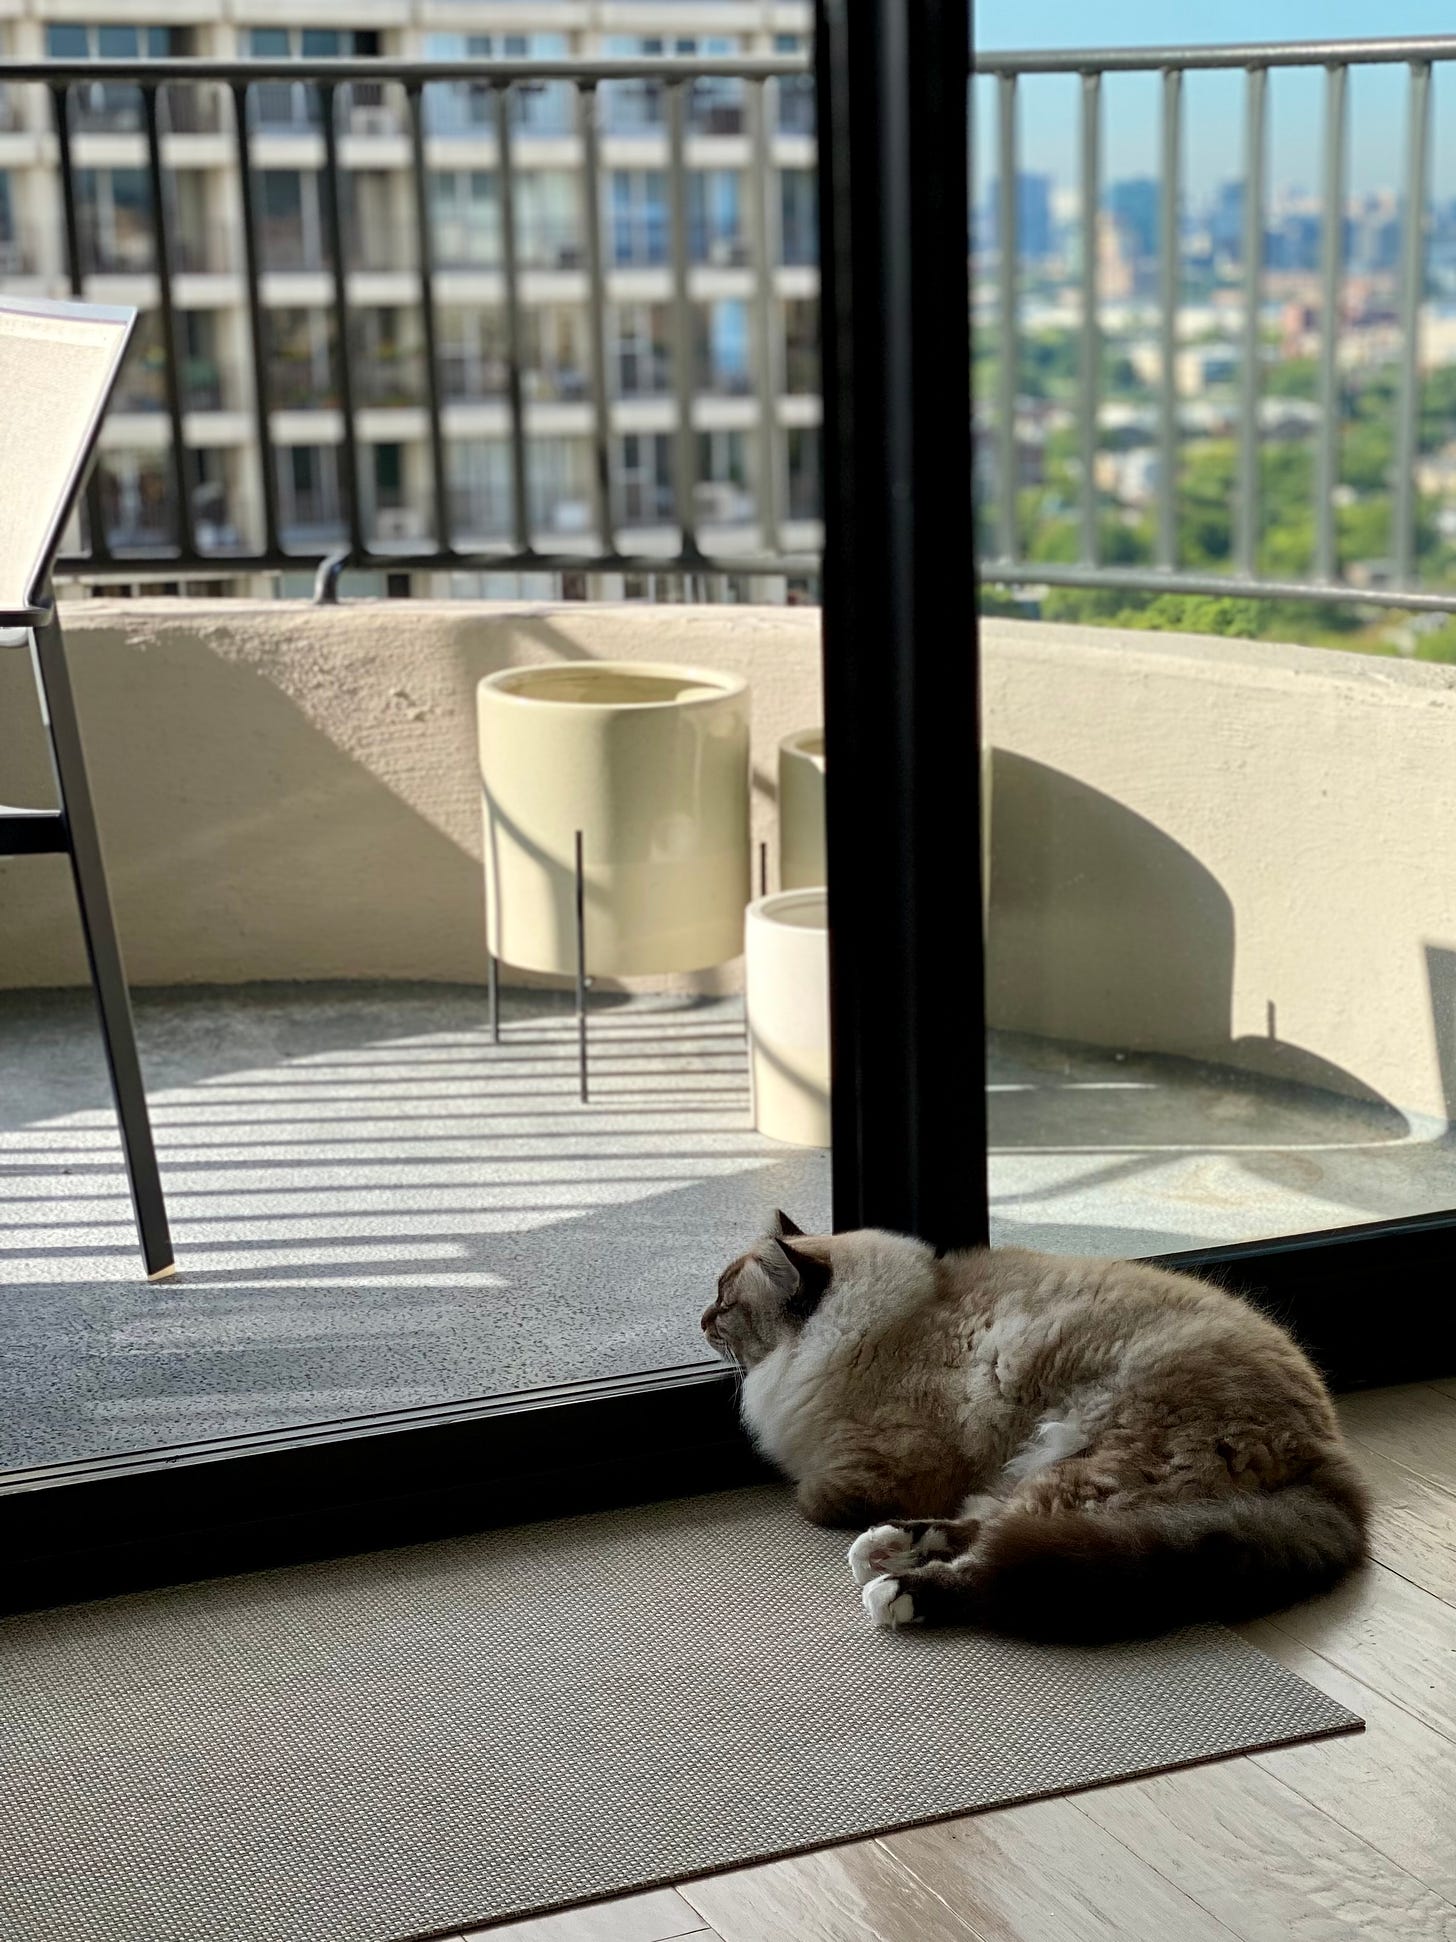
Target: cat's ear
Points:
x,y
783,1229
807,1280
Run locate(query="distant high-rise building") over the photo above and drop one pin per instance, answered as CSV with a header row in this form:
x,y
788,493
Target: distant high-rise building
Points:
x,y
1133,206
1034,229
1226,224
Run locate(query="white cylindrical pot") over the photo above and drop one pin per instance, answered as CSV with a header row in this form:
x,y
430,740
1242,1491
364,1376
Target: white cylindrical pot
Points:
x,y
787,960
650,763
801,809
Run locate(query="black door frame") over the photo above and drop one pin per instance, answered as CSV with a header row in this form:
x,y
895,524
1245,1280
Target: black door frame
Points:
x,y
909,1116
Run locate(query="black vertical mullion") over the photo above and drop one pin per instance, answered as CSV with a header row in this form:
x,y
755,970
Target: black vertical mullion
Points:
x,y
900,650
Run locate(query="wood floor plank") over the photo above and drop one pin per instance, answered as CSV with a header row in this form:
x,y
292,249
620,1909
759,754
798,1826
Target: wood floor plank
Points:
x,y
1414,1427
1413,1531
1394,1785
1389,1634
1045,1873
1446,1388
654,1917
851,1894
1266,1863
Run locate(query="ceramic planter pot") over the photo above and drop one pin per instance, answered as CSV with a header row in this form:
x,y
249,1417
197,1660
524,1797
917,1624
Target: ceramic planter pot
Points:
x,y
801,814
650,763
801,809
787,952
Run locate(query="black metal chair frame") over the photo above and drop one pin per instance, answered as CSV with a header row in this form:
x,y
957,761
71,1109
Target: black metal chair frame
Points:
x,y
69,830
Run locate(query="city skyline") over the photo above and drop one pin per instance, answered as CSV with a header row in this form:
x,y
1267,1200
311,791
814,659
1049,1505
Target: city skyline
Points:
x,y
1213,101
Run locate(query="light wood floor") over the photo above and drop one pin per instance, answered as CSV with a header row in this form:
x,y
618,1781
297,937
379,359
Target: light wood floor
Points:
x,y
1344,1838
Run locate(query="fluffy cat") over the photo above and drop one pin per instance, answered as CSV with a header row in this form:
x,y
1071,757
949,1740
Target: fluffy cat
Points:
x,y
1040,1444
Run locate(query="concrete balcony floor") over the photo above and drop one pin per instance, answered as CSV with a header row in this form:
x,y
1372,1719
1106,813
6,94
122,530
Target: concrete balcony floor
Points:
x,y
374,1208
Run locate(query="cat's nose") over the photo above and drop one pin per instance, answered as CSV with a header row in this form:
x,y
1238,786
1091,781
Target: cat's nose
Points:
x,y
708,1316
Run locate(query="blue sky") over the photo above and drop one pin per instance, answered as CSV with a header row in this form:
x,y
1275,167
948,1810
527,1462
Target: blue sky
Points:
x,y
1213,103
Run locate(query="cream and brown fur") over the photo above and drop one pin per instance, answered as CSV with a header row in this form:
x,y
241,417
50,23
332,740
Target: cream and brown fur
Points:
x,y
1042,1444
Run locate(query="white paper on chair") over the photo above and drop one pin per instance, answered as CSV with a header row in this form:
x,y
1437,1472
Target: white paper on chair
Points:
x,y
58,364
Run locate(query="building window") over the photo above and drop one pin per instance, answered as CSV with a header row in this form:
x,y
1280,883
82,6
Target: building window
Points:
x,y
642,359
715,217
722,342
806,500
801,347
643,476
468,107
309,503
290,223
722,495
472,352
300,362
106,106
548,220
465,218
639,216
114,211
295,104
479,474
795,91
798,217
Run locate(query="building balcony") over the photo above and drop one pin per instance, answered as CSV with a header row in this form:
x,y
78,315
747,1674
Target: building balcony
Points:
x,y
1220,992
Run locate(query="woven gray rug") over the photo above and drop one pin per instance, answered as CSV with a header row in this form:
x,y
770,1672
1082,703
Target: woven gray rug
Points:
x,y
430,1738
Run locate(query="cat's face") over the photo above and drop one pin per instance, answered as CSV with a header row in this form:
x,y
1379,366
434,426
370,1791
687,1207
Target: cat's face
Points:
x,y
768,1294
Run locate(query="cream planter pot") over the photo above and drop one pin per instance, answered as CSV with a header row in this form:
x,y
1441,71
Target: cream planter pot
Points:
x,y
787,947
801,809
801,814
650,763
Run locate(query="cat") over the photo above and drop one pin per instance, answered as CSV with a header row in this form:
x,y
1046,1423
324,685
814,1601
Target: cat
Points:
x,y
1051,1446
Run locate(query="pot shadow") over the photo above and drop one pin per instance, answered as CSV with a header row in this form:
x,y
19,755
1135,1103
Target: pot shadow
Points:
x,y
1117,939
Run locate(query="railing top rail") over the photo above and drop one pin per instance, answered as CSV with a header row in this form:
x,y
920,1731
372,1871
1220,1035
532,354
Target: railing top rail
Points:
x,y
1251,54
377,68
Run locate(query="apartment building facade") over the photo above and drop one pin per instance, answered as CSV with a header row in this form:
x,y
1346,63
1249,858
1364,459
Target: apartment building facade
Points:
x,y
752,277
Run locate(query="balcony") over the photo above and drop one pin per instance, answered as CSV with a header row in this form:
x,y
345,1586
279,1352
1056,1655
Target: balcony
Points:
x,y
360,1177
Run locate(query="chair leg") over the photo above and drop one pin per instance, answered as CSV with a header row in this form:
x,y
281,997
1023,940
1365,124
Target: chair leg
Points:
x,y
108,977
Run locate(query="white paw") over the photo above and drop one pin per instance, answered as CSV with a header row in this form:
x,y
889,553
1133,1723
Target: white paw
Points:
x,y
885,1548
887,1605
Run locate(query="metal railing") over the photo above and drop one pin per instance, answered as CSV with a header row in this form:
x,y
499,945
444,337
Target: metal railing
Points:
x,y
677,101
1005,562
335,88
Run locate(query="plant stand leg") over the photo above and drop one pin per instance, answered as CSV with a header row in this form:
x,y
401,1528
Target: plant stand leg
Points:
x,y
493,995
581,977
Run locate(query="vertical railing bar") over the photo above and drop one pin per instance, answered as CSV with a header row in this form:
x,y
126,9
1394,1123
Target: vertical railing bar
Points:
x,y
1091,332
1327,463
1006,281
683,372
1246,549
1170,293
425,259
162,257
333,217
586,121
759,241
262,416
60,103
1412,282
515,354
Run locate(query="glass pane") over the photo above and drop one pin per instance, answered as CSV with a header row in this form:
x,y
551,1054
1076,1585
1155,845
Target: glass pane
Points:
x,y
378,1204
1220,986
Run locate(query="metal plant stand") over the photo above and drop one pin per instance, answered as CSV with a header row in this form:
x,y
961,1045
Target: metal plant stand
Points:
x,y
583,982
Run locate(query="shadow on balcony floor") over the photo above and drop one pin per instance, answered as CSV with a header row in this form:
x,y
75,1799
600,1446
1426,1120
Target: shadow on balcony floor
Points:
x,y
374,1208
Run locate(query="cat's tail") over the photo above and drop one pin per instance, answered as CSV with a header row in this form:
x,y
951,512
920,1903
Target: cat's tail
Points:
x,y
1102,1573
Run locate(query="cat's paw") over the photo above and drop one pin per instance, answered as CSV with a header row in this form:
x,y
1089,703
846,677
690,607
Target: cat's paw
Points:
x,y
888,1605
891,1548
